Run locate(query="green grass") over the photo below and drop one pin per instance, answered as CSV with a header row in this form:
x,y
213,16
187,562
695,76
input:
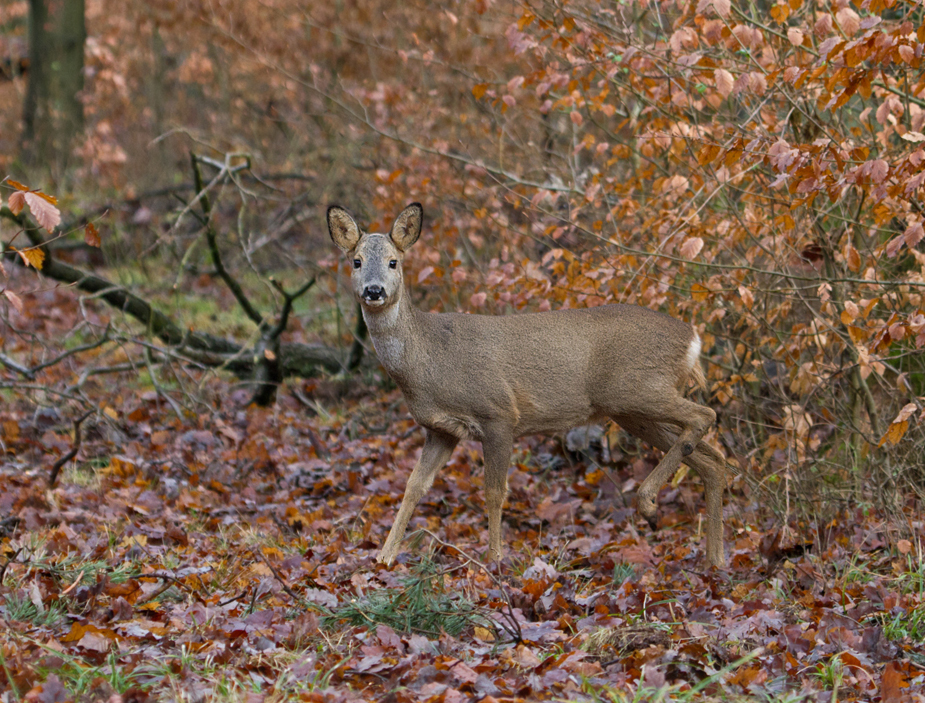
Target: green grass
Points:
x,y
622,572
81,678
18,607
910,624
419,605
217,314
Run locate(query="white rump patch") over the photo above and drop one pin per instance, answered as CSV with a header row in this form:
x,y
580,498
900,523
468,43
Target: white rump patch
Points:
x,y
693,351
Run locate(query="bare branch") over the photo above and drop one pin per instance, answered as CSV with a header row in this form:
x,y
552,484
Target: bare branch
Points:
x,y
52,479
211,237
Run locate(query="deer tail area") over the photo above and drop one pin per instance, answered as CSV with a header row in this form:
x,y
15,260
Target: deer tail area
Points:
x,y
693,361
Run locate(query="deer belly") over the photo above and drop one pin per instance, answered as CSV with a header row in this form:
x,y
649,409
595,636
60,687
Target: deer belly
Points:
x,y
556,412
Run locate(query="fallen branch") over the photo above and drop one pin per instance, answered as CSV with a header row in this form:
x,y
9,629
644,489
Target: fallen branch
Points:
x,y
52,479
303,360
268,372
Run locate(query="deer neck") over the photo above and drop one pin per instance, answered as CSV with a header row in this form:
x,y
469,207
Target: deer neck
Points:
x,y
395,334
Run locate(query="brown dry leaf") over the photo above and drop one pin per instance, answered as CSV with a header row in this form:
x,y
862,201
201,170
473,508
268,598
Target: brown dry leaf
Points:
x,y
853,258
904,546
909,409
120,466
721,7
17,201
95,642
724,81
45,196
691,247
45,212
484,634
92,235
849,21
878,169
14,299
748,298
893,683
526,657
913,234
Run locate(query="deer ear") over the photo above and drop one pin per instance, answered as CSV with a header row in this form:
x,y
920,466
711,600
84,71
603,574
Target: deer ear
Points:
x,y
407,226
343,228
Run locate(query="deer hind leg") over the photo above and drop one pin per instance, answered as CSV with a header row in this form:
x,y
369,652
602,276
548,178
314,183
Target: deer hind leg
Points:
x,y
686,446
710,465
438,446
497,446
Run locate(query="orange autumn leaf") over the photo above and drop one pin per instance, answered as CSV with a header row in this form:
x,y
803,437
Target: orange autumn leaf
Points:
x,y
33,257
92,235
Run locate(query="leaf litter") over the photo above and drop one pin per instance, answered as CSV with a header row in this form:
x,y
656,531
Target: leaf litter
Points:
x,y
230,554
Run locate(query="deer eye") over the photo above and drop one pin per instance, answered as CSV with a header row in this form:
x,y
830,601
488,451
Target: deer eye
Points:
x,y
393,263
356,263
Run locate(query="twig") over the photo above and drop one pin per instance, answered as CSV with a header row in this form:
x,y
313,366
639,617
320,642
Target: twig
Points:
x,y
13,366
288,301
43,389
56,467
292,594
149,363
167,583
203,197
71,352
169,580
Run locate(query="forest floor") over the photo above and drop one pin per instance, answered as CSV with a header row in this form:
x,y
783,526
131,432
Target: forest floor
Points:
x,y
227,553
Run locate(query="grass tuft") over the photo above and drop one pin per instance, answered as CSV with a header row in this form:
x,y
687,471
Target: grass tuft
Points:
x,y
420,605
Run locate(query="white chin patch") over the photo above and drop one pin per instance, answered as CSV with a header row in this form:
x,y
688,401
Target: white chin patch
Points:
x,y
374,303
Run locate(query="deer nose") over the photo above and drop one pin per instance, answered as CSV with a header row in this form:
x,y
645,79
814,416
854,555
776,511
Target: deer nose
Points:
x,y
373,292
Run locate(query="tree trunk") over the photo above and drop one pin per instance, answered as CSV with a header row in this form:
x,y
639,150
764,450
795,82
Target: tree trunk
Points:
x,y
53,113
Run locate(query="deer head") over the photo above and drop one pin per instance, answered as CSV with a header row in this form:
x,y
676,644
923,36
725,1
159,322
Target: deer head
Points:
x,y
377,272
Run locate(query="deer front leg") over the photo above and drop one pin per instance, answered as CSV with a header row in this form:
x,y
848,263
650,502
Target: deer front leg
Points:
x,y
438,447
497,447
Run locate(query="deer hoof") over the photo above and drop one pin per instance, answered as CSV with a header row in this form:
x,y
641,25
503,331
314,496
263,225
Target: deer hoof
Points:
x,y
687,449
646,506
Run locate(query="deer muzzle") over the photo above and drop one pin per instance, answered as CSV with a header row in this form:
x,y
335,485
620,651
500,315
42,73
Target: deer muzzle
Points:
x,y
374,295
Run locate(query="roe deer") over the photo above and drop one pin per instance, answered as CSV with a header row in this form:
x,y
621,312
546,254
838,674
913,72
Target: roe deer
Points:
x,y
494,378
